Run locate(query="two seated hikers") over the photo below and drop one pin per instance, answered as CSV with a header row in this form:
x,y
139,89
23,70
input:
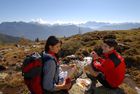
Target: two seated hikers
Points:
x,y
108,69
51,77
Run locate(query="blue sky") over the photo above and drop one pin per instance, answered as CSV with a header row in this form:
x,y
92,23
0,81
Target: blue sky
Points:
x,y
75,11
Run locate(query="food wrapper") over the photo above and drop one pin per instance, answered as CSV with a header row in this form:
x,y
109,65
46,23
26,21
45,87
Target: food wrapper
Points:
x,y
83,83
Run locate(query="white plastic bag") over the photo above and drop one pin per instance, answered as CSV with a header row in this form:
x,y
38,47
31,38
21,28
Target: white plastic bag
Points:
x,y
62,75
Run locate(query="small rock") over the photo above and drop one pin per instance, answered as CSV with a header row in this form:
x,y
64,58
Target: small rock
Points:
x,y
1,92
2,68
138,90
3,75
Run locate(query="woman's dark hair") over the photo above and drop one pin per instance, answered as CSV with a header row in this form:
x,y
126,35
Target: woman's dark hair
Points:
x,y
51,41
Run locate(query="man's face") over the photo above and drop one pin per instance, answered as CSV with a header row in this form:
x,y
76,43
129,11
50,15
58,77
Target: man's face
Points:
x,y
106,48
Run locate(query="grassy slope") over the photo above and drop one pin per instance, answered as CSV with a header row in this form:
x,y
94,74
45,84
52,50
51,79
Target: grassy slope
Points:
x,y
8,39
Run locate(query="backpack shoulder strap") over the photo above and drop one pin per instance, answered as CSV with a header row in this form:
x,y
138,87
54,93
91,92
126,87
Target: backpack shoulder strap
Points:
x,y
44,59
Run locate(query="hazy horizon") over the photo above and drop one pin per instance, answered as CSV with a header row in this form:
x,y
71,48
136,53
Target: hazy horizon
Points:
x,y
41,21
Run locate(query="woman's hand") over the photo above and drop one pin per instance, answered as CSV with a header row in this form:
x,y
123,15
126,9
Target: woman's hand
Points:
x,y
67,84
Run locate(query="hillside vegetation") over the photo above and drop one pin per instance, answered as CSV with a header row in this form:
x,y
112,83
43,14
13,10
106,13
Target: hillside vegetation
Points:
x,y
8,39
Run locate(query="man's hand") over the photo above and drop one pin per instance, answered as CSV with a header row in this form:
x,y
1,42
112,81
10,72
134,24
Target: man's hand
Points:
x,y
86,69
89,69
95,56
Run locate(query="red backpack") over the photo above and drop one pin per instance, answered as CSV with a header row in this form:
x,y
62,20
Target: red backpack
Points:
x,y
32,70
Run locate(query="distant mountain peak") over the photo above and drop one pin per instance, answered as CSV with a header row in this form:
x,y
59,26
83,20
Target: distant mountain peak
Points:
x,y
33,30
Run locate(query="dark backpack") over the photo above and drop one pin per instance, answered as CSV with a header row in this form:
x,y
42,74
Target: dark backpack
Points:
x,y
32,70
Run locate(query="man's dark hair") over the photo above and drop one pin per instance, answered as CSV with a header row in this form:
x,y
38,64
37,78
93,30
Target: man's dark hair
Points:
x,y
98,50
109,37
110,42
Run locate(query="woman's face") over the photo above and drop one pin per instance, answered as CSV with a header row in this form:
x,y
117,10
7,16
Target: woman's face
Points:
x,y
55,48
